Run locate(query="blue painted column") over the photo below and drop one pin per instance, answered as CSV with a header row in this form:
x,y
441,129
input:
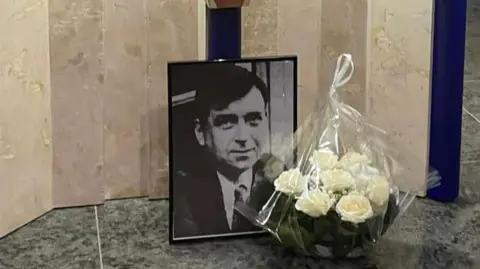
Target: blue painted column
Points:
x,y
224,33
447,95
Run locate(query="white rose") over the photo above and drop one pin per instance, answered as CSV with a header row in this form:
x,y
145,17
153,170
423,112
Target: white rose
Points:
x,y
378,190
315,203
362,174
354,208
291,182
337,180
324,159
352,158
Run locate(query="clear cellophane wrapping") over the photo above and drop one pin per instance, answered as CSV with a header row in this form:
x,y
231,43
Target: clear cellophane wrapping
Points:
x,y
336,182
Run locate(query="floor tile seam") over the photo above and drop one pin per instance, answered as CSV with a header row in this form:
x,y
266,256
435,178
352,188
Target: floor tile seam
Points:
x,y
99,242
470,162
477,119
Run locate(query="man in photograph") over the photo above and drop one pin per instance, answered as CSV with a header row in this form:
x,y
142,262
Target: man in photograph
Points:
x,y
231,127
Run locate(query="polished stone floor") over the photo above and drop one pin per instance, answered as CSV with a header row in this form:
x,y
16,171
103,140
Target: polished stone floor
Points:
x,y
133,233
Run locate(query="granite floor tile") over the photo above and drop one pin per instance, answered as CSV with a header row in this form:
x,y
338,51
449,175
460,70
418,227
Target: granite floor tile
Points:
x,y
473,18
134,234
470,185
472,58
470,138
471,97
471,122
61,239
429,235
437,235
472,43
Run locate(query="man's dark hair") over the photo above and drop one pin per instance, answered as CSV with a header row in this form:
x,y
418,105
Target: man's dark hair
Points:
x,y
222,84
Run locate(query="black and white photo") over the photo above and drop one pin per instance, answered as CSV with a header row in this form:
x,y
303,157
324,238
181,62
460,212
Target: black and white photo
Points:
x,y
226,118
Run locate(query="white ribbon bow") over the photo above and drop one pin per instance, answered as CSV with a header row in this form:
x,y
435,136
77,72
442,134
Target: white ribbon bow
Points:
x,y
343,72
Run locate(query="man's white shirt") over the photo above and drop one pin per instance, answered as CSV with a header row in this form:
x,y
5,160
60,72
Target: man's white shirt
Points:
x,y
228,191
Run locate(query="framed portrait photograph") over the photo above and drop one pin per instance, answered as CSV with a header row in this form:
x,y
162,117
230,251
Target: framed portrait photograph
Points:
x,y
226,118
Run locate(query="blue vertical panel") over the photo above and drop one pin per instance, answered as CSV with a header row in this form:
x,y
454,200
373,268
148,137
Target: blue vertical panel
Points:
x,y
224,33
446,96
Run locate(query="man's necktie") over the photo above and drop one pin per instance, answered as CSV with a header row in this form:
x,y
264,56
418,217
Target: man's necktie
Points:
x,y
238,219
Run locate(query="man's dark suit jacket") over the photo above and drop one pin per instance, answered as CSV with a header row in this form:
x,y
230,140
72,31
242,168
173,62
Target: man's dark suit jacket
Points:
x,y
198,207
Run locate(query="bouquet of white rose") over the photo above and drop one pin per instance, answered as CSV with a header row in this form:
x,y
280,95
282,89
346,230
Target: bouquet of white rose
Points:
x,y
339,194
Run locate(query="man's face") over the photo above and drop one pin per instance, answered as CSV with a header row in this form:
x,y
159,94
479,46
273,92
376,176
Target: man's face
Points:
x,y
236,135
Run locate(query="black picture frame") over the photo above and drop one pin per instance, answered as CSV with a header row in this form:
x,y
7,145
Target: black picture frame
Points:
x,y
178,84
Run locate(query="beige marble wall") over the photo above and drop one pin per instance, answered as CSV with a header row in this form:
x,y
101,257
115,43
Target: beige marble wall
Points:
x,y
390,43
344,29
99,131
25,114
301,37
326,29
83,100
76,66
272,27
124,97
259,18
140,38
399,77
317,32
172,34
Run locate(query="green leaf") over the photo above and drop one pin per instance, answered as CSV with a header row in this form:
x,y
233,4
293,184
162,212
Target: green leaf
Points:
x,y
390,215
283,205
286,237
295,237
374,228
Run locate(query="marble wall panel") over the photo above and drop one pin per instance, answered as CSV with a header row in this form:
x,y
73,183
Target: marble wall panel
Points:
x,y
25,115
259,35
124,97
399,77
172,35
318,32
344,29
298,28
76,64
103,119
391,47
